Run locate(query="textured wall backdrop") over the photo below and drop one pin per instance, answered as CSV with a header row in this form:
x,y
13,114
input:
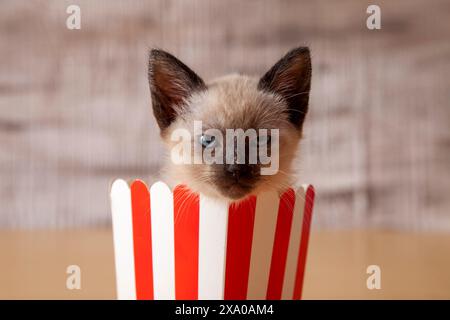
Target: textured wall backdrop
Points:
x,y
75,106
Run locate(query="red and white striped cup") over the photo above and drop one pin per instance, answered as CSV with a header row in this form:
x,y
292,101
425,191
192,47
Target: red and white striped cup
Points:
x,y
181,245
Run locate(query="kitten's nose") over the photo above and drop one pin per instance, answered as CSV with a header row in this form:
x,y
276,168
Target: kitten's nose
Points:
x,y
238,171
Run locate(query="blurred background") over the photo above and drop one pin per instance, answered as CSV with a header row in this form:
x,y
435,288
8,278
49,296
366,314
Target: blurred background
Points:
x,y
75,114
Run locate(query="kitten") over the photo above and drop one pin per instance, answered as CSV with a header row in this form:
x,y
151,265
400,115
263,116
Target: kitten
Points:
x,y
278,100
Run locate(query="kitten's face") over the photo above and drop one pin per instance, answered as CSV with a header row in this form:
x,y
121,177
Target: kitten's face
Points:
x,y
277,102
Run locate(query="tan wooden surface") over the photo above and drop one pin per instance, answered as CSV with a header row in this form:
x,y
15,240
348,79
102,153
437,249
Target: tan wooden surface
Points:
x,y
413,265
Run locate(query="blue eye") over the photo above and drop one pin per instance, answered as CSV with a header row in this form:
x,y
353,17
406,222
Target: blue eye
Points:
x,y
207,141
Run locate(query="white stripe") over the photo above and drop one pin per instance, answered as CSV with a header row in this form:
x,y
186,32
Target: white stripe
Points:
x,y
163,255
294,245
263,237
212,248
123,240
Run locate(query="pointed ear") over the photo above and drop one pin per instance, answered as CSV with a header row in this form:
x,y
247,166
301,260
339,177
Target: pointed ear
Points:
x,y
290,78
171,83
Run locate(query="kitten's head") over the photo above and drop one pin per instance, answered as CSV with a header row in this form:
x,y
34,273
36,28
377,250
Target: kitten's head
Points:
x,y
277,102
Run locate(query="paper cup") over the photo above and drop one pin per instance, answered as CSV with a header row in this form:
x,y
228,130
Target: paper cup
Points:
x,y
181,245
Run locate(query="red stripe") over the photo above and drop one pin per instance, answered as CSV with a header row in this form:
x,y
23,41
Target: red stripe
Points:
x,y
280,245
186,216
241,217
140,203
309,203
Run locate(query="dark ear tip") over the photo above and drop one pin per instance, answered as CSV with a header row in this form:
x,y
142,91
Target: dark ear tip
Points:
x,y
303,52
155,54
303,49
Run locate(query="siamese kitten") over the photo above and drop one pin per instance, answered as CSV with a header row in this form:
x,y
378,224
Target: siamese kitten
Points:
x,y
278,100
